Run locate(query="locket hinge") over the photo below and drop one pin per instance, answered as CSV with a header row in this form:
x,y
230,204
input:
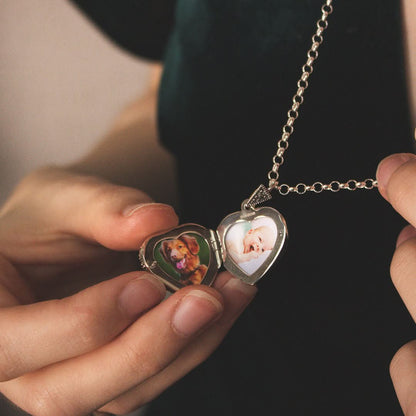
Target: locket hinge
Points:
x,y
217,247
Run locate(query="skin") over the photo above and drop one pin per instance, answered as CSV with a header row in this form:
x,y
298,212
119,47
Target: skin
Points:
x,y
258,240
69,301
397,176
409,19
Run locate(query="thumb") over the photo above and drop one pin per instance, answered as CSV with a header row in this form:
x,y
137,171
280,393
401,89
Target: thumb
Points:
x,y
127,227
117,217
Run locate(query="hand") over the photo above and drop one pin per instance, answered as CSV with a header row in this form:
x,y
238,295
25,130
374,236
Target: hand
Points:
x,y
397,183
111,346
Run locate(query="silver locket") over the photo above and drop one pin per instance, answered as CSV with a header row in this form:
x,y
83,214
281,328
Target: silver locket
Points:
x,y
246,242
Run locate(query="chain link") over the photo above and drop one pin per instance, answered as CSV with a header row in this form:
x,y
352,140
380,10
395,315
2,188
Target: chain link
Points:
x,y
334,186
297,99
293,114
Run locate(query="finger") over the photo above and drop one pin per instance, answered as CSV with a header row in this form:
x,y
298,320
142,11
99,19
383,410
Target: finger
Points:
x,y
87,382
120,221
13,290
403,374
36,335
236,295
396,176
407,233
117,217
403,271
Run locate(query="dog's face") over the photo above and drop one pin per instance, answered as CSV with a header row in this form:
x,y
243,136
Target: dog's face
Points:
x,y
181,253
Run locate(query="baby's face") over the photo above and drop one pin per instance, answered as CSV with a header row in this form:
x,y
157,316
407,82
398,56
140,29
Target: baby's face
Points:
x,y
254,241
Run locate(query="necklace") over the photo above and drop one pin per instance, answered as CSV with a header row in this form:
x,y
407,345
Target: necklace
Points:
x,y
246,242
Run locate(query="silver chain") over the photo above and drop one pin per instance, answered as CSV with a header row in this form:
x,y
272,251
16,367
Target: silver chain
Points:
x,y
293,114
334,186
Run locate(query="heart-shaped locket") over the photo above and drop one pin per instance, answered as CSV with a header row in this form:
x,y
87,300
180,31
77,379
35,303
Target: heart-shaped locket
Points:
x,y
252,240
183,256
247,242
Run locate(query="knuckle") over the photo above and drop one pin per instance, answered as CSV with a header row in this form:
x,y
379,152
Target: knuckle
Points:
x,y
144,363
87,324
83,186
403,262
100,193
401,357
108,192
401,184
48,183
44,180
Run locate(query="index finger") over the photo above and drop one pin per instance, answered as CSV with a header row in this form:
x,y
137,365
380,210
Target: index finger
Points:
x,y
396,176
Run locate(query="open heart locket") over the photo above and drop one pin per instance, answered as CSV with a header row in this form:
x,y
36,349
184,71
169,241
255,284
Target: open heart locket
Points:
x,y
246,242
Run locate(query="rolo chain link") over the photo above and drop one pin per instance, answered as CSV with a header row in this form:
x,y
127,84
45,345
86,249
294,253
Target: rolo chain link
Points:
x,y
334,186
293,114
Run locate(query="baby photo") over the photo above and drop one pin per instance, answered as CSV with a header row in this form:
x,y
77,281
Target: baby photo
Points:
x,y
249,244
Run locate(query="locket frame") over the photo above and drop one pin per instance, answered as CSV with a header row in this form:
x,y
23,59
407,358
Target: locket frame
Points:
x,y
218,254
148,261
249,215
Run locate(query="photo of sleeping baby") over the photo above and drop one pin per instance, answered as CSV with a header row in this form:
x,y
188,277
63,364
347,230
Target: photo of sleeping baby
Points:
x,y
249,243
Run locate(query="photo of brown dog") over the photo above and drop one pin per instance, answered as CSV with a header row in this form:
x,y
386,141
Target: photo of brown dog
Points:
x,y
182,254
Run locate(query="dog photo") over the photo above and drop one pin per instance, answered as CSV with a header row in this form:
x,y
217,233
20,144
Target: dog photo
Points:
x,y
249,243
184,258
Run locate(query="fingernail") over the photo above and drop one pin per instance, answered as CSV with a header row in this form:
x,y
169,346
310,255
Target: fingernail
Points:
x,y
130,210
195,311
141,294
388,166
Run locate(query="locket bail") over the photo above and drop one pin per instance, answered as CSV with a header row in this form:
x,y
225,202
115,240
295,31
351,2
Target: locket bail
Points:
x,y
246,243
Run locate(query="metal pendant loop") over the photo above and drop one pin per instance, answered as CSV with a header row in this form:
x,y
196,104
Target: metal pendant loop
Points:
x,y
260,195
